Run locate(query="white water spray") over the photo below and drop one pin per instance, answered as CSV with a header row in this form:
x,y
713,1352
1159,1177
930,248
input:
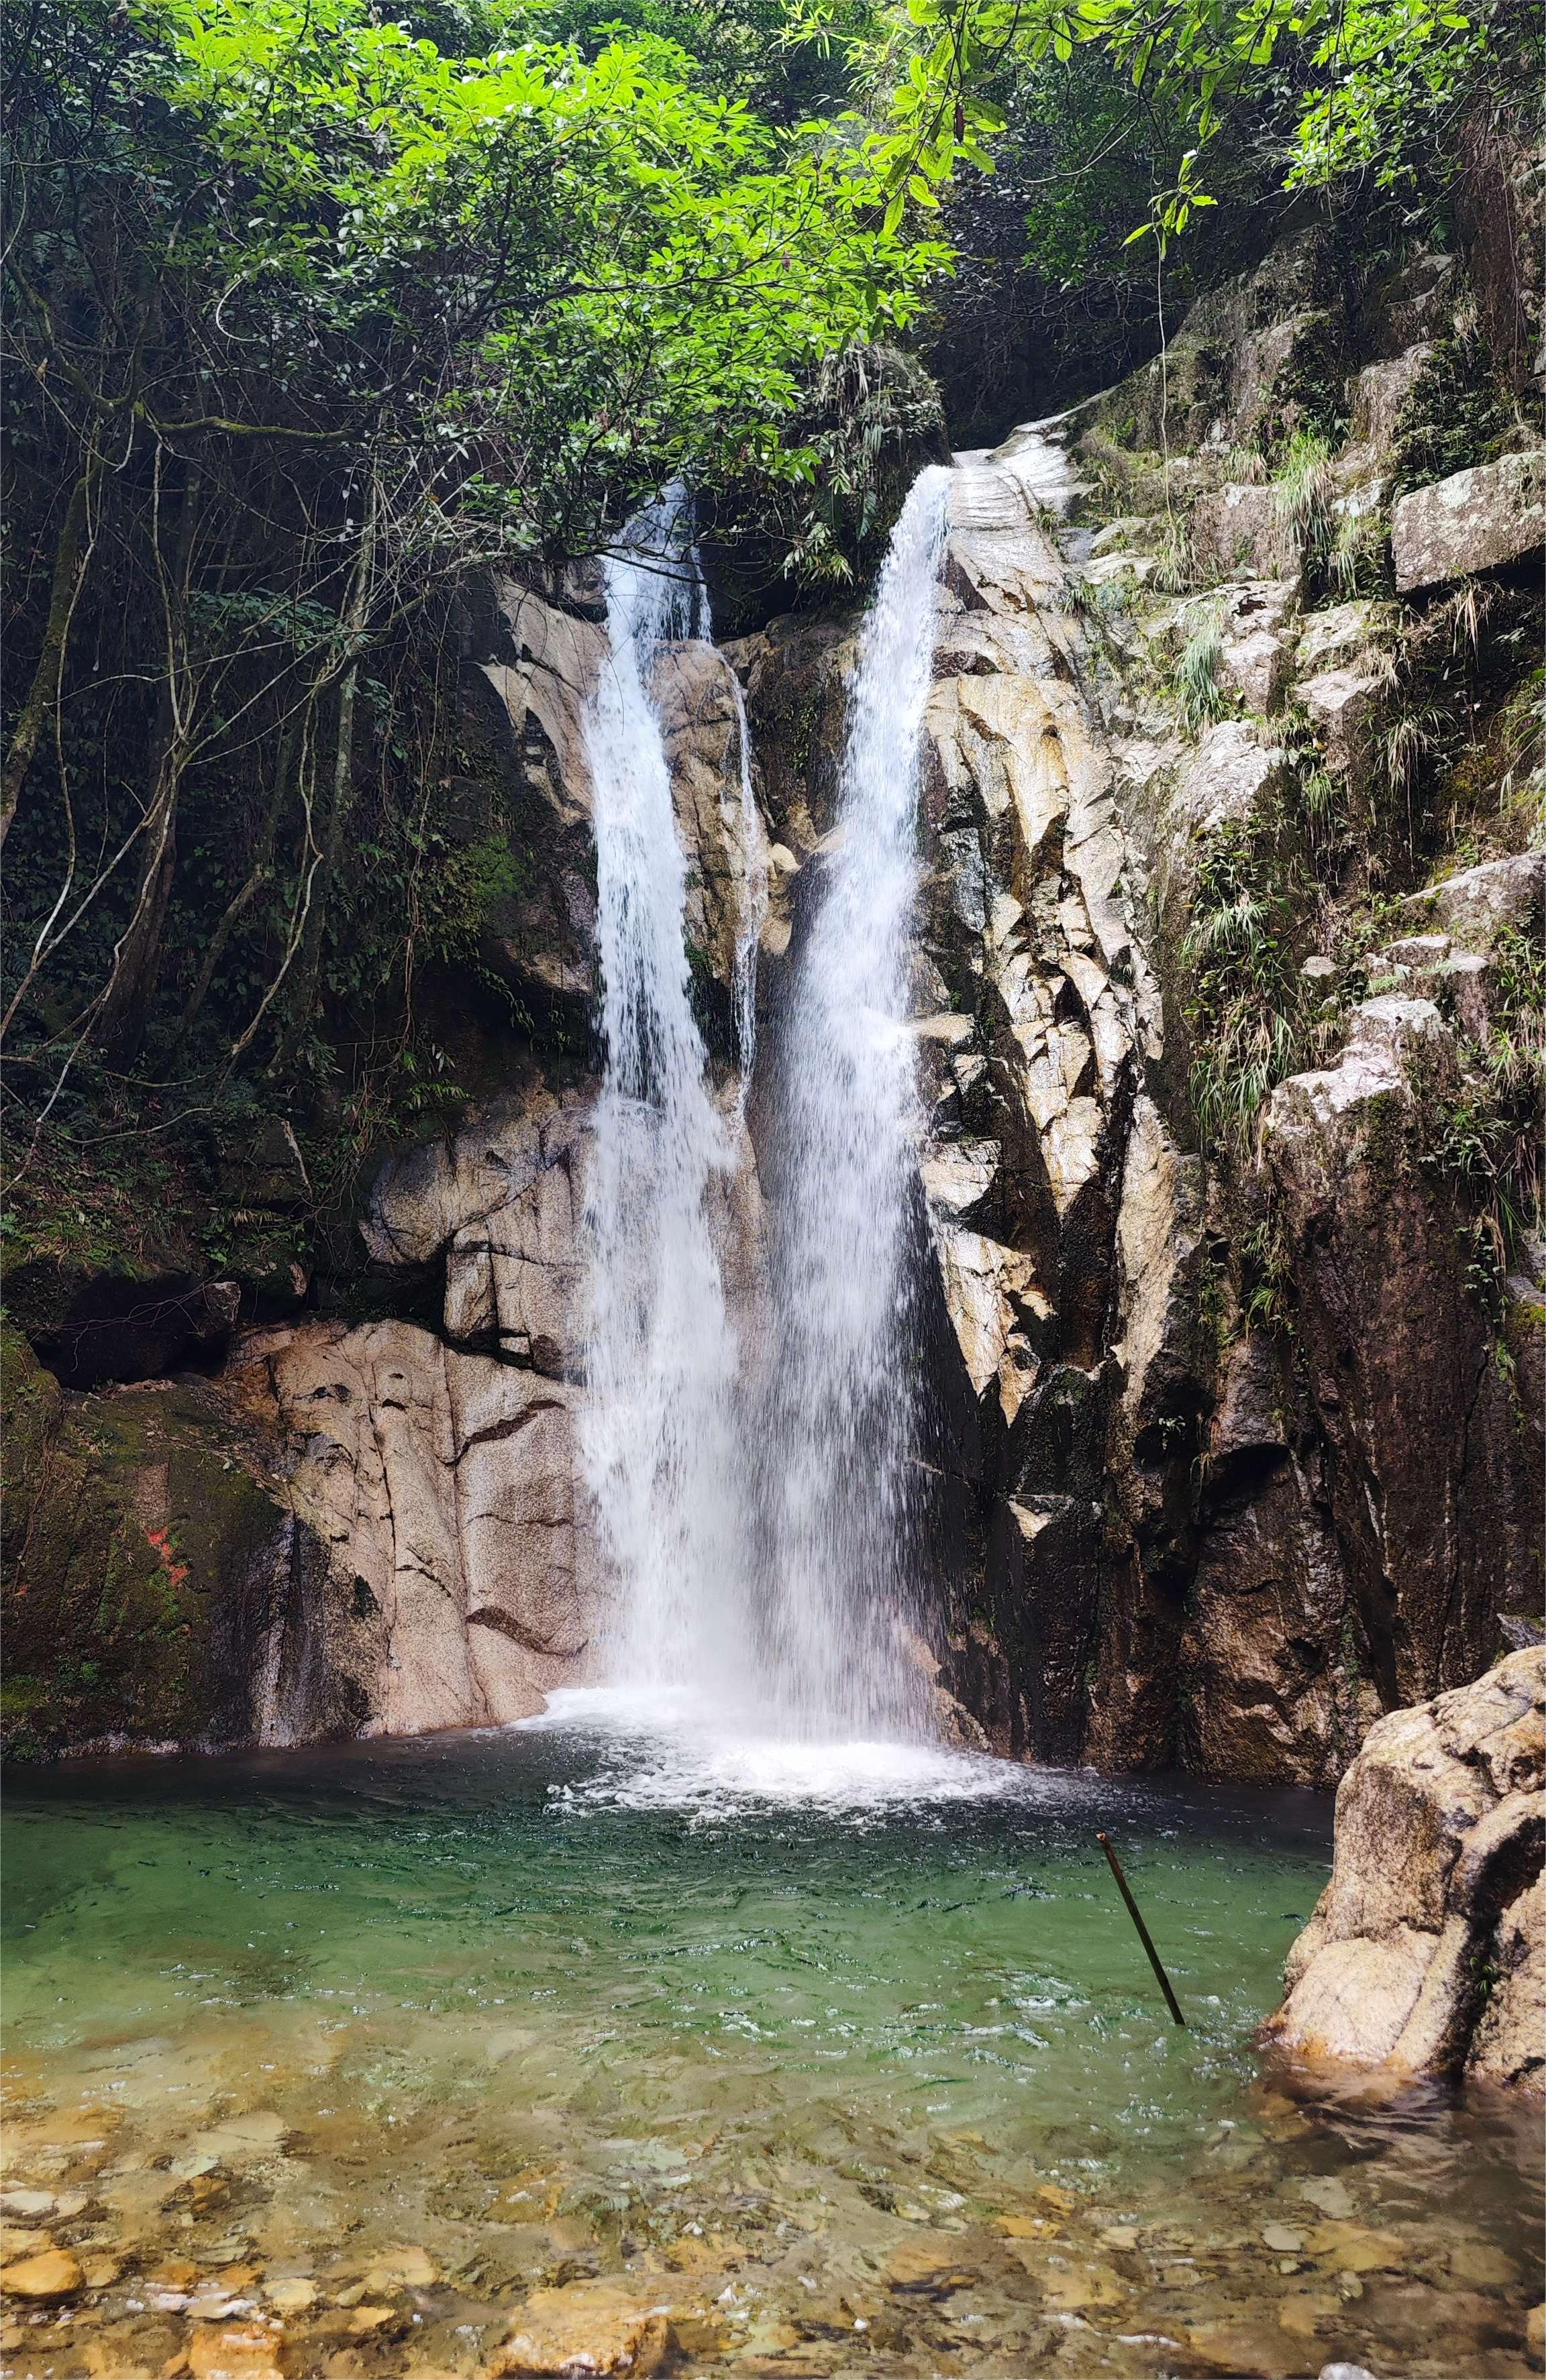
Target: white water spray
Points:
x,y
764,1557
659,1437
837,1442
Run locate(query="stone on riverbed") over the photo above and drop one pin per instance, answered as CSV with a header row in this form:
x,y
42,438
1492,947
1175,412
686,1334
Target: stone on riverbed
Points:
x,y
243,2351
51,2275
929,2266
1244,2351
591,2327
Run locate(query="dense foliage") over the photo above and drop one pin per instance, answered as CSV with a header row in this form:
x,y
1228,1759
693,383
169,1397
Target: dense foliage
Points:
x,y
311,318
307,315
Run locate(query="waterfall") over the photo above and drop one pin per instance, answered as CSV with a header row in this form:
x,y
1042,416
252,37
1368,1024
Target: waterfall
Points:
x,y
837,1440
659,1437
761,1539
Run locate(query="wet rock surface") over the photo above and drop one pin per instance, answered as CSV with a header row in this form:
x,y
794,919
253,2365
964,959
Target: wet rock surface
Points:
x,y
1427,1952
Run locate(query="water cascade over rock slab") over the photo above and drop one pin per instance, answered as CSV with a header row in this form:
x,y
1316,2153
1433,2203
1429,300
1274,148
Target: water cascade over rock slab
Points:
x,y
838,1428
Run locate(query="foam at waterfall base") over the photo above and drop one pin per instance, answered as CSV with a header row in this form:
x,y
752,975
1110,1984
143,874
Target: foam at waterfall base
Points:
x,y
665,1749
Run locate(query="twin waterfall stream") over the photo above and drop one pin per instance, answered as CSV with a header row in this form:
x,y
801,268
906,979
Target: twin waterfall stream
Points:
x,y
754,1503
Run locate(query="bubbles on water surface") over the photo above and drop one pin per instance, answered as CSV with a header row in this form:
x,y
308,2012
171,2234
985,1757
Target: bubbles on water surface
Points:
x,y
681,1753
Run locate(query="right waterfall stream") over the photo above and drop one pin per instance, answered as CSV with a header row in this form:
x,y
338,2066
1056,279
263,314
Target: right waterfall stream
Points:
x,y
835,1444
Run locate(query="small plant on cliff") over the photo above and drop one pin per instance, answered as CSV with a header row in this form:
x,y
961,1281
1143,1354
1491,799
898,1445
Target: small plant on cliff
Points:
x,y
1201,697
1302,495
1242,1010
1358,559
1176,569
1455,414
1266,1278
1487,1108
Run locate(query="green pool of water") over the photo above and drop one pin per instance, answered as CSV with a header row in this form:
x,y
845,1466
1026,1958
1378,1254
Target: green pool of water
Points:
x,y
744,2023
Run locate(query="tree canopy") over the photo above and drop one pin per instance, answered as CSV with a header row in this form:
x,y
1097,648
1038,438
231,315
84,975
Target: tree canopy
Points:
x,y
310,315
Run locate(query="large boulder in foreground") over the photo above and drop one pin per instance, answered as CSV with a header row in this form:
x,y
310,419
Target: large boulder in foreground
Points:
x,y
1427,1950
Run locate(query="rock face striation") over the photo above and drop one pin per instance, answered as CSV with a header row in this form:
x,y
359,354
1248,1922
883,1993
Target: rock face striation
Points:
x,y
1169,1530
1426,1951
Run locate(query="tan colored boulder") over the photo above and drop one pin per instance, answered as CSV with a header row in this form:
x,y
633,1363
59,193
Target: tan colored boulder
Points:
x,y
1438,1858
1231,777
1379,393
721,829
402,2268
930,2265
1343,707
1244,2351
588,2327
1256,634
559,657
1343,634
45,2278
1255,666
1474,521
1509,2044
445,1483
1476,905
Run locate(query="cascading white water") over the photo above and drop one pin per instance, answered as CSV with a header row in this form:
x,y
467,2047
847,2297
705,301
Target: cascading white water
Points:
x,y
658,1435
754,874
762,1546
837,1441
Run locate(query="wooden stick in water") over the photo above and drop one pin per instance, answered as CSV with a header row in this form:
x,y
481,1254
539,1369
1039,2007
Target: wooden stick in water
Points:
x,y
1124,1889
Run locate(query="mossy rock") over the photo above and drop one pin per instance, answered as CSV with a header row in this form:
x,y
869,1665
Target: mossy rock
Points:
x,y
138,1556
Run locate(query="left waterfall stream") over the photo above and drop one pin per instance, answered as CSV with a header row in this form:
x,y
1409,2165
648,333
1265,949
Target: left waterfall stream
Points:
x,y
660,1441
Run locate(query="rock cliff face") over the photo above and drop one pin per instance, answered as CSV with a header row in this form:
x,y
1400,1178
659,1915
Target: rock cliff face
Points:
x,y
1426,1951
381,1527
438,1468
1231,1450
1172,1530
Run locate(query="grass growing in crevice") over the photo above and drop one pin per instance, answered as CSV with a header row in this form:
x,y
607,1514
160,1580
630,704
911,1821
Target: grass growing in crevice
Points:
x,y
1489,1117
1302,491
1266,1278
1198,693
1176,568
1457,414
1243,1007
1357,558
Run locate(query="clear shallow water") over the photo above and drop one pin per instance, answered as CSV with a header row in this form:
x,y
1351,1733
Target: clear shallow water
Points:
x,y
749,2024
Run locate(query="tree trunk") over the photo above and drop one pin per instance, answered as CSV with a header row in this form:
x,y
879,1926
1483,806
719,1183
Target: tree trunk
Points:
x,y
69,568
303,992
257,877
126,1006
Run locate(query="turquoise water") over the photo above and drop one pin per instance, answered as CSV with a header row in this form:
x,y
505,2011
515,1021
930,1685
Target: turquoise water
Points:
x,y
738,2023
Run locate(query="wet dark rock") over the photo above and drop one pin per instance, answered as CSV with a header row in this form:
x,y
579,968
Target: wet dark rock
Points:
x,y
105,1327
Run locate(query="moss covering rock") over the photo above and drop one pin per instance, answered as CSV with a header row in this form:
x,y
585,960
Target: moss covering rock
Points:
x,y
138,1554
